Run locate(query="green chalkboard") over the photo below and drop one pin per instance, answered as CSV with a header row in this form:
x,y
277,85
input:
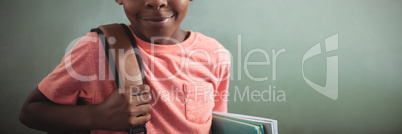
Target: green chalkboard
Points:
x,y
316,66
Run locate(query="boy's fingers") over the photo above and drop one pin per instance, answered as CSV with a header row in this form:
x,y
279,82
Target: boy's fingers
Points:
x,y
138,90
136,121
146,88
140,99
140,110
145,98
139,94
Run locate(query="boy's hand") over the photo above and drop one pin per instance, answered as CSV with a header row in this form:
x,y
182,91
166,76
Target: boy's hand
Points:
x,y
122,111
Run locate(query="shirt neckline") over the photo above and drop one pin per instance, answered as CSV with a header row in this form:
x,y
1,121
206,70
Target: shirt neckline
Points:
x,y
148,47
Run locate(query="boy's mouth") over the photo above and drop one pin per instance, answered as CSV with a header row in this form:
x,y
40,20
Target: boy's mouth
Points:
x,y
158,21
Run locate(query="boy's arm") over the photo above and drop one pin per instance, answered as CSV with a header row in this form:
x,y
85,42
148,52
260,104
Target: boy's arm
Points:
x,y
221,96
38,112
115,113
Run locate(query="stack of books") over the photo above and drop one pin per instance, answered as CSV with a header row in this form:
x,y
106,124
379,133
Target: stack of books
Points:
x,y
230,123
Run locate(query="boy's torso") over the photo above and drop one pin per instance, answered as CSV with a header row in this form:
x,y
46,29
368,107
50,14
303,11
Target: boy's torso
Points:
x,y
183,79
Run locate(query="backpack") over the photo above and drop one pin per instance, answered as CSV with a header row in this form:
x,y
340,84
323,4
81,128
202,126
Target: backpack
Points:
x,y
121,37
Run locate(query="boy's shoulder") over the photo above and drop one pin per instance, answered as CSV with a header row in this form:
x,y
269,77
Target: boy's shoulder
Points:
x,y
201,42
212,46
208,42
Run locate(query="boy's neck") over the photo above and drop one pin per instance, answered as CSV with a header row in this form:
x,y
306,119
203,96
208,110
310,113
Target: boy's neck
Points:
x,y
178,35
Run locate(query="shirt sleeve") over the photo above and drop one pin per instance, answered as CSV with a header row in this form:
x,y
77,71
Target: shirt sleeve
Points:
x,y
221,95
71,79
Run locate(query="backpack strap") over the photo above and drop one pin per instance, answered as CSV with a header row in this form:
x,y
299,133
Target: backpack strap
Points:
x,y
127,63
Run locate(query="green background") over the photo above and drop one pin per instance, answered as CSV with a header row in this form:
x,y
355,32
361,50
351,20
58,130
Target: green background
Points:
x,y
35,33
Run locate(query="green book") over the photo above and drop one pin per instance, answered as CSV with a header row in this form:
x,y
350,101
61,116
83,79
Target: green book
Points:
x,y
222,125
265,125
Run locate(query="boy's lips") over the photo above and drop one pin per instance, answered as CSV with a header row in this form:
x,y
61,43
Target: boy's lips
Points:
x,y
157,21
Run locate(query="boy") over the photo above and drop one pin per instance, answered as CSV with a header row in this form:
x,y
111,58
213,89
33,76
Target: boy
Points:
x,y
186,74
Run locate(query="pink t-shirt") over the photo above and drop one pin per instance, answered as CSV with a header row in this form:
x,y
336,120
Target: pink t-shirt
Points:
x,y
188,81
